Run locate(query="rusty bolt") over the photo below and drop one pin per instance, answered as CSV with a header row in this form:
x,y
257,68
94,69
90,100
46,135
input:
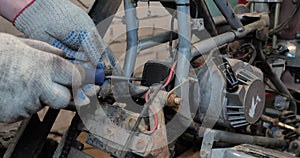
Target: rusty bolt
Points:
x,y
174,100
177,100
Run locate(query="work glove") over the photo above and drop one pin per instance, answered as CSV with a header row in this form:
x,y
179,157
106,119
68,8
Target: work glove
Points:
x,y
65,26
33,75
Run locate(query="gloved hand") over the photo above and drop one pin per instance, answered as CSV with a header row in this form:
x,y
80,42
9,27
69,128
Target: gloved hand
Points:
x,y
65,26
32,76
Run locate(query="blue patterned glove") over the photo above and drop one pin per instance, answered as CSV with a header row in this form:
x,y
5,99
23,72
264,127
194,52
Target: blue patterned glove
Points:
x,y
65,26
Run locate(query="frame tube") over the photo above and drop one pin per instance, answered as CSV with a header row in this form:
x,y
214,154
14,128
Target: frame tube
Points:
x,y
132,37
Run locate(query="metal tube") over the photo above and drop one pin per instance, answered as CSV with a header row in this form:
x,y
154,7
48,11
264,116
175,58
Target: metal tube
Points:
x,y
276,19
184,53
205,14
228,137
261,7
207,45
252,6
132,37
229,14
156,40
267,70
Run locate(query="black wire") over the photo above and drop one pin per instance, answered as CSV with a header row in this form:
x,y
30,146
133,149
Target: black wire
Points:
x,y
197,9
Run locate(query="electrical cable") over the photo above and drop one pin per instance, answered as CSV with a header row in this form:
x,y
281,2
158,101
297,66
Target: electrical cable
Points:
x,y
138,121
150,107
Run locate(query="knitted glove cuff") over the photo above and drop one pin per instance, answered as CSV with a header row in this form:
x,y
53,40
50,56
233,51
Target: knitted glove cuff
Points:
x,y
21,11
38,10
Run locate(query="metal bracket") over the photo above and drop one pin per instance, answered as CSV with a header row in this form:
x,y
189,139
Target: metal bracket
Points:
x,y
207,143
197,24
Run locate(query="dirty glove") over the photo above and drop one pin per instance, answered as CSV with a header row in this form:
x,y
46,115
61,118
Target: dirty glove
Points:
x,y
32,76
64,25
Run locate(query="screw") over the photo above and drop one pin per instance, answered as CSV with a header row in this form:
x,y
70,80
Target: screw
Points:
x,y
177,100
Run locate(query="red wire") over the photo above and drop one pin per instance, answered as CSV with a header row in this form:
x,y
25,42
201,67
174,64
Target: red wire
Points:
x,y
170,75
147,99
154,114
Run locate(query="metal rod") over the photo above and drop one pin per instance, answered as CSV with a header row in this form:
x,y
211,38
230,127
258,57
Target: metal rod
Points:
x,y
229,14
156,40
276,19
132,37
205,46
267,70
252,6
227,137
206,15
278,123
184,53
124,78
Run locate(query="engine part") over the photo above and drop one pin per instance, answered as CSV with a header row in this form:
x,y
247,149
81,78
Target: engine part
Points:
x,y
280,102
155,72
242,105
267,70
247,104
277,123
285,127
248,151
108,128
227,137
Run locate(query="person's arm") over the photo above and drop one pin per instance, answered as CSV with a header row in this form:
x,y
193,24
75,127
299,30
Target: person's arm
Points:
x,y
10,9
33,75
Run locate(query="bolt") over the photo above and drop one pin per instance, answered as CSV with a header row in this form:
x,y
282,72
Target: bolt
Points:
x,y
297,80
177,100
174,100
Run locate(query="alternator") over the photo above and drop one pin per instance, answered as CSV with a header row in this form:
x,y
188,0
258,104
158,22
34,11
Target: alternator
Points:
x,y
243,94
246,104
